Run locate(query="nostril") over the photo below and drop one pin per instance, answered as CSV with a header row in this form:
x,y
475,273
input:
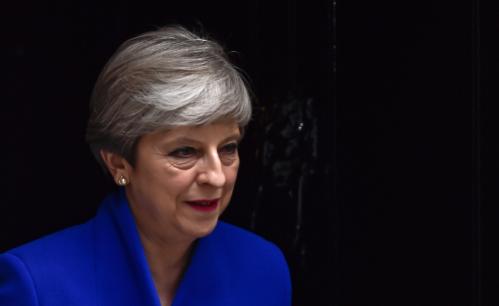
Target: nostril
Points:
x,y
213,177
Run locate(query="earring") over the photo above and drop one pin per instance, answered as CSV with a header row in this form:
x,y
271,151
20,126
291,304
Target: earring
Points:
x,y
122,181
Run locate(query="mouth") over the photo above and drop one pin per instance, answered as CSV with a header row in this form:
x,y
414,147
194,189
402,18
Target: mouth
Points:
x,y
204,205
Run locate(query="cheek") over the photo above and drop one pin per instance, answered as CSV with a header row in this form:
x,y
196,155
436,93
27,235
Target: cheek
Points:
x,y
171,182
178,183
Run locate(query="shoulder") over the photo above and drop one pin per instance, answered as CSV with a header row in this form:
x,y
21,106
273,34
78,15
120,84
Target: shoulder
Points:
x,y
238,240
16,284
244,268
54,263
256,267
68,242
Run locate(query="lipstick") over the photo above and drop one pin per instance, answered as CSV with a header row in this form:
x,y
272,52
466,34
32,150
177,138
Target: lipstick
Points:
x,y
204,205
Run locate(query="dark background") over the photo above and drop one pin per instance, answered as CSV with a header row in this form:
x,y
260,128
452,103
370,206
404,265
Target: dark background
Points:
x,y
371,160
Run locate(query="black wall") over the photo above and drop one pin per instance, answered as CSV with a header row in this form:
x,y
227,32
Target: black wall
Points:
x,y
52,55
371,160
405,153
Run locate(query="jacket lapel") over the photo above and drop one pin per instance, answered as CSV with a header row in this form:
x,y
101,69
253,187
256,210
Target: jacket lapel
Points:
x,y
123,276
207,278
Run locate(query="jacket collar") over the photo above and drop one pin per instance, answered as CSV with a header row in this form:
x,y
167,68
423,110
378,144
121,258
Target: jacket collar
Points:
x,y
123,274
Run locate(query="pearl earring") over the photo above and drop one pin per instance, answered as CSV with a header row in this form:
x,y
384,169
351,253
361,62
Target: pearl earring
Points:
x,y
122,181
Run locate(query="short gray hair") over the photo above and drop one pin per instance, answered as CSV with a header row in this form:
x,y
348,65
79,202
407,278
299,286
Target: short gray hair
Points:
x,y
163,79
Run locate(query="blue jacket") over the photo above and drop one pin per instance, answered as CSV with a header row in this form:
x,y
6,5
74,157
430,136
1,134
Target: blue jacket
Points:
x,y
102,263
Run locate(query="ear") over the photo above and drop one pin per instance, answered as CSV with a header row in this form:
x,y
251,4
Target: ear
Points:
x,y
116,164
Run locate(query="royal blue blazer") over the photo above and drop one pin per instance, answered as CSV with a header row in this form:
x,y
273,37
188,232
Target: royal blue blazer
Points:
x,y
102,263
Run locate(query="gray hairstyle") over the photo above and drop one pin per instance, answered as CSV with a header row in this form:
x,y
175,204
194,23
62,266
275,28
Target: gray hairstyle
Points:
x,y
160,80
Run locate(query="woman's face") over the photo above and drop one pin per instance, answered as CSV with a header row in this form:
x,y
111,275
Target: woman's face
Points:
x,y
183,179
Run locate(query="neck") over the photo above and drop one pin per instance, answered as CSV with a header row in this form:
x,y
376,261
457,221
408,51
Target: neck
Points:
x,y
167,262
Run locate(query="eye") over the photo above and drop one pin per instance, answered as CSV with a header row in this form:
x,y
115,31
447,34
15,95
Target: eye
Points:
x,y
229,149
183,152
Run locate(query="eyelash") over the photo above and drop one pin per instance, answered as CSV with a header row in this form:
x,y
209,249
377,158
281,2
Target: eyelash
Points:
x,y
184,152
230,148
188,152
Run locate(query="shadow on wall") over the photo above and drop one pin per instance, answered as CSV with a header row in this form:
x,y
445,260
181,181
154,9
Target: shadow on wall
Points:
x,y
291,189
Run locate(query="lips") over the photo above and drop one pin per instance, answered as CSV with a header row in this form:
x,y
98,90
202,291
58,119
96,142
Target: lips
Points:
x,y
203,204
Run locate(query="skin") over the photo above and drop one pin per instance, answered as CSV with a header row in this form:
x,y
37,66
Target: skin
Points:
x,y
173,168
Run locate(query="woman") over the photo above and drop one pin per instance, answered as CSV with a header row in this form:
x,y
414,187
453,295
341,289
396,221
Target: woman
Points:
x,y
167,113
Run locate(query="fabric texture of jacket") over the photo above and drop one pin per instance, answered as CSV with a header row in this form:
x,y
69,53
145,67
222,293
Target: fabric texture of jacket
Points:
x,y
102,263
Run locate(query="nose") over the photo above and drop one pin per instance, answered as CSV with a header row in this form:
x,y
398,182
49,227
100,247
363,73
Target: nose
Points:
x,y
211,171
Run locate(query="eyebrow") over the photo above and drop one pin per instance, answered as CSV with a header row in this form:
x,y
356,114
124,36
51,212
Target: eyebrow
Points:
x,y
183,139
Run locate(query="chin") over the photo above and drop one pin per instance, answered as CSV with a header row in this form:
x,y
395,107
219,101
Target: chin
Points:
x,y
201,229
